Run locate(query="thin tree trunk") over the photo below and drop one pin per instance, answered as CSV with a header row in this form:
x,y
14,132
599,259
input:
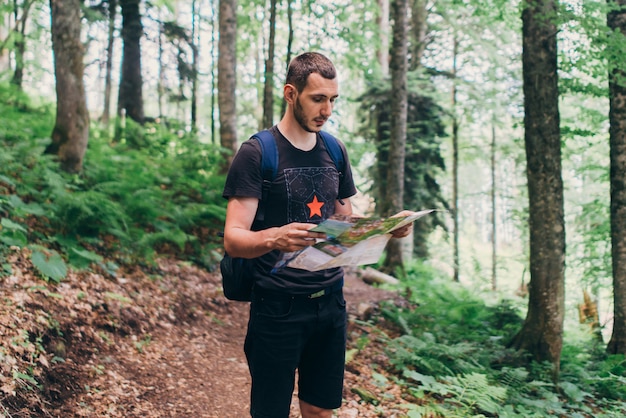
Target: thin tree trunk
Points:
x,y
542,333
616,20
455,166
226,80
20,42
5,57
161,73
71,129
283,106
494,282
106,113
214,48
268,87
131,83
382,21
418,28
195,44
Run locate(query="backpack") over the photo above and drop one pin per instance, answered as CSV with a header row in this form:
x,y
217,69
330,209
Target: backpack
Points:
x,y
237,272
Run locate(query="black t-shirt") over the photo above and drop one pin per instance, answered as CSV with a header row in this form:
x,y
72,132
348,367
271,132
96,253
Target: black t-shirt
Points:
x,y
306,188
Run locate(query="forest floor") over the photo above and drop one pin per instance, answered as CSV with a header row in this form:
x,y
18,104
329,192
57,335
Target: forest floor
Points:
x,y
159,344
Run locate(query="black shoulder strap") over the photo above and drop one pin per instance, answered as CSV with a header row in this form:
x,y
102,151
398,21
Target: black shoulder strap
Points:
x,y
269,167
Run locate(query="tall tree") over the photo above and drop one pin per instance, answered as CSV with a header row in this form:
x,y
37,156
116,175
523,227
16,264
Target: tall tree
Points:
x,y
616,20
419,28
382,52
5,23
106,111
283,106
268,88
226,78
130,98
455,163
20,40
542,332
394,200
71,129
494,242
195,63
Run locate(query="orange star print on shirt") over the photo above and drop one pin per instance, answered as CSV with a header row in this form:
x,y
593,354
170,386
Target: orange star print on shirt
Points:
x,y
316,207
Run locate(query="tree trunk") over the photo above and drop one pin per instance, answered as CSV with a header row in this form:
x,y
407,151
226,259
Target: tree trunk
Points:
x,y
268,89
283,106
394,200
419,14
20,42
382,21
71,129
214,36
616,20
5,23
161,72
542,332
195,45
130,101
455,167
226,79
106,112
494,259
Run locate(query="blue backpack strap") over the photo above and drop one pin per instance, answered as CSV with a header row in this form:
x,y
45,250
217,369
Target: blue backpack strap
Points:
x,y
333,148
269,167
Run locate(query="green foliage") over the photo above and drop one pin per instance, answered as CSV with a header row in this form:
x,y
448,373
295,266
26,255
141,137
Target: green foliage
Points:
x,y
467,395
453,356
423,160
155,192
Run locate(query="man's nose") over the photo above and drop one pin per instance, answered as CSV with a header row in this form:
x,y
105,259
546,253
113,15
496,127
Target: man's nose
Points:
x,y
327,109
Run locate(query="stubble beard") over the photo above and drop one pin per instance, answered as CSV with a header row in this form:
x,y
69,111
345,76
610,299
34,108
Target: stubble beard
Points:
x,y
298,114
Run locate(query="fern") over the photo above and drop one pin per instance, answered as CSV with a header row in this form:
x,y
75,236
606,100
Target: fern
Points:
x,y
87,213
426,355
466,395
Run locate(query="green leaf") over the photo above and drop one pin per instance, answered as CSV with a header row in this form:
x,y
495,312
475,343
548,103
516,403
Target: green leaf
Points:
x,y
14,226
52,266
89,255
13,237
7,180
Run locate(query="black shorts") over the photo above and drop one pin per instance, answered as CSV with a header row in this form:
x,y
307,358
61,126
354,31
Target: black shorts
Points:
x,y
286,333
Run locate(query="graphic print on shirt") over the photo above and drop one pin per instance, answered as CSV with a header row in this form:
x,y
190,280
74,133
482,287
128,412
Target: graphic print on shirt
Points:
x,y
311,193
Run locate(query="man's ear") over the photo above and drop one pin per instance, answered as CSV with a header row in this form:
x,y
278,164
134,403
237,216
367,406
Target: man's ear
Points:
x,y
289,92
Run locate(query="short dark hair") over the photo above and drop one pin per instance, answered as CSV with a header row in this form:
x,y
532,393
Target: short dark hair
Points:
x,y
306,64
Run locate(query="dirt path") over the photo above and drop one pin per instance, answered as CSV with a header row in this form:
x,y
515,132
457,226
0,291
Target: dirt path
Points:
x,y
170,346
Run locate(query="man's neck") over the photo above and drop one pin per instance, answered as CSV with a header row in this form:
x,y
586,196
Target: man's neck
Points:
x,y
298,137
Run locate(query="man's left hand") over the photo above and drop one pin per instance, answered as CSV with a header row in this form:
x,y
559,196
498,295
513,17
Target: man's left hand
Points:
x,y
406,230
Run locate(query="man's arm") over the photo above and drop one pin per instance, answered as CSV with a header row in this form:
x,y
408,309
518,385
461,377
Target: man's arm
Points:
x,y
240,241
343,207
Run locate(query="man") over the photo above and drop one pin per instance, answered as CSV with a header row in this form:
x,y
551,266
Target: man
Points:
x,y
297,317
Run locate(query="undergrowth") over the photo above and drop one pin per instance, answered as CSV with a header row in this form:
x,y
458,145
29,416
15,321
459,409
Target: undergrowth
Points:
x,y
453,357
132,203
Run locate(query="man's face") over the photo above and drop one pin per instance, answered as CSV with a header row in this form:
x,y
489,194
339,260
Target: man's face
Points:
x,y
313,106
